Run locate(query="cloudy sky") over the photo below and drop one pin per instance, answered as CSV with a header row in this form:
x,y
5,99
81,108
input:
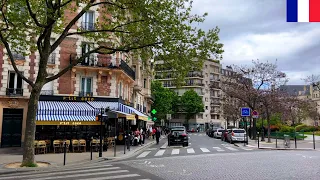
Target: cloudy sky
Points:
x,y
257,29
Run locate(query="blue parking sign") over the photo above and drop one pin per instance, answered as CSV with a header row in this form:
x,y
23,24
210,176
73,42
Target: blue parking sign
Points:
x,y
245,111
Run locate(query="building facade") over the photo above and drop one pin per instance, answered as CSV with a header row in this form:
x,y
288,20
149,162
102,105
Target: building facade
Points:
x,y
206,83
119,80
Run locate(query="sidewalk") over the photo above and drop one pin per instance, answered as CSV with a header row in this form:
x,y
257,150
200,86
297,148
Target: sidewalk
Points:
x,y
278,144
10,155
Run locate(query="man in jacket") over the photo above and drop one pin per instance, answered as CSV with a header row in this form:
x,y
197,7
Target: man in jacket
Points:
x,y
158,133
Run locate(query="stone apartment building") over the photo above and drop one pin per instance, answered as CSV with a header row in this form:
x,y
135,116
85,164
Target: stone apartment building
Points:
x,y
118,81
207,84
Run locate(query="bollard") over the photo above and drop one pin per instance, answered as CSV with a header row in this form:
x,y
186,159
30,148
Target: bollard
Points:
x,y
91,150
295,140
115,142
125,142
64,153
258,141
314,141
276,140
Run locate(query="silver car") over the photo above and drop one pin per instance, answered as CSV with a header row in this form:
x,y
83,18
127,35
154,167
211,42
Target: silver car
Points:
x,y
237,135
217,133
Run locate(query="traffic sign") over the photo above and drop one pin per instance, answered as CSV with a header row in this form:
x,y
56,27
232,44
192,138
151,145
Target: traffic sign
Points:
x,y
245,112
255,114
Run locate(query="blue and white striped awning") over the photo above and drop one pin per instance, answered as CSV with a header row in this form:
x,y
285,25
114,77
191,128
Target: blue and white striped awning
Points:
x,y
133,110
65,108
41,117
114,106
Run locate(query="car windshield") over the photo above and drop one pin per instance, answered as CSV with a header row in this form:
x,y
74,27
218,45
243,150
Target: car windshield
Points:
x,y
179,130
221,130
238,131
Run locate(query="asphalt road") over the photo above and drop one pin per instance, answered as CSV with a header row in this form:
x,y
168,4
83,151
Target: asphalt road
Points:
x,y
199,143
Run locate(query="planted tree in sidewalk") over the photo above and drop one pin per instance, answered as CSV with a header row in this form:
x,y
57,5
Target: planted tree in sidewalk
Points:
x,y
144,28
191,104
249,84
164,100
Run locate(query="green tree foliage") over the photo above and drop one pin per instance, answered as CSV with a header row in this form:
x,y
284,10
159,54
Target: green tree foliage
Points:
x,y
191,103
141,28
164,100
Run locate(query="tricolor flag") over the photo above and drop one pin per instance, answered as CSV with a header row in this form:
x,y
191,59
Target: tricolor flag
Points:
x,y
303,10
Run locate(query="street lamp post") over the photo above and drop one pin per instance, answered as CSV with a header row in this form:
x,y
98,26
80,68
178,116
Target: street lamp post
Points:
x,y
262,127
102,110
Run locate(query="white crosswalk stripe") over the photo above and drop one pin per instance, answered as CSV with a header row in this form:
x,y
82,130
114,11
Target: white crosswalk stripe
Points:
x,y
175,151
231,148
160,153
190,150
204,150
95,171
218,149
144,154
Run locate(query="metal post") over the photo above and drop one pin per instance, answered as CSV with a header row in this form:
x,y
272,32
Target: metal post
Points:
x,y
295,139
276,139
314,141
129,141
64,153
115,142
244,140
169,139
258,141
101,131
91,150
125,142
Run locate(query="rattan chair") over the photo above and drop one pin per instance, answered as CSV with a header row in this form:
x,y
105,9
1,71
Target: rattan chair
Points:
x,y
75,145
57,146
83,145
42,147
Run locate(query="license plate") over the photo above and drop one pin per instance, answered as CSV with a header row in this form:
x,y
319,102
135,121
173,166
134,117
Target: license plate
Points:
x,y
177,140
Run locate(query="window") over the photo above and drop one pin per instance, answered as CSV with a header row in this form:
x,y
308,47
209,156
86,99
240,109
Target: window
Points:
x,y
86,86
52,57
206,99
145,83
88,21
200,116
88,61
47,89
14,84
120,89
206,107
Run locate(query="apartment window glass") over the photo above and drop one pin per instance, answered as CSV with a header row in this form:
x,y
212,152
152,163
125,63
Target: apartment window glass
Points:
x,y
47,89
86,84
145,83
120,89
206,107
15,83
88,20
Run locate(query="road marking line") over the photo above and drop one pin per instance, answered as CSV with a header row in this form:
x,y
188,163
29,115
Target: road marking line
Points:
x,y
218,149
190,150
175,151
164,146
144,154
113,177
160,153
204,150
244,148
231,148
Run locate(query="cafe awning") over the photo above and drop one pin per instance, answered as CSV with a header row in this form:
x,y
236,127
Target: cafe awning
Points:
x,y
125,115
122,110
66,120
141,116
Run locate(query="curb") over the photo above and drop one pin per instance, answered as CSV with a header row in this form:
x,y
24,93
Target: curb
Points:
x,y
289,149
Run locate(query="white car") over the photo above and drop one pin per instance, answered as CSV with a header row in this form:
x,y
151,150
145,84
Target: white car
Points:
x,y
217,133
237,135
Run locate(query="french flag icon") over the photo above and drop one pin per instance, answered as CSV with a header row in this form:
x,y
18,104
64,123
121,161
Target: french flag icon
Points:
x,y
303,10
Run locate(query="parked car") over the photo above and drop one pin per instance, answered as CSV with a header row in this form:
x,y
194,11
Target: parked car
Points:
x,y
211,131
217,133
224,135
178,136
237,135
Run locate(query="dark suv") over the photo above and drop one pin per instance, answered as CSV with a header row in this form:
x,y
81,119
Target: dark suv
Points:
x,y
178,136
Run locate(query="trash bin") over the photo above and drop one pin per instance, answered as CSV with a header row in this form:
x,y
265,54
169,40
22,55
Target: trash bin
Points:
x,y
286,141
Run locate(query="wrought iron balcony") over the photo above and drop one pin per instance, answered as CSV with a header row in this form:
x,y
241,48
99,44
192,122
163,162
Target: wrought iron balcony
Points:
x,y
14,92
124,66
215,85
194,74
85,94
215,111
215,103
194,84
46,92
88,26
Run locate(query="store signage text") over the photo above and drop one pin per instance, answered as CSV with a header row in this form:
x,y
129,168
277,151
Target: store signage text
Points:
x,y
74,98
70,123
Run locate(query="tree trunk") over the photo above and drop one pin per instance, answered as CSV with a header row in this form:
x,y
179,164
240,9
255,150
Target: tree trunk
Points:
x,y
269,130
28,149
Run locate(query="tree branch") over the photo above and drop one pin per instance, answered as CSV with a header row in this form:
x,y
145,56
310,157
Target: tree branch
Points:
x,y
96,31
14,65
34,16
108,3
64,4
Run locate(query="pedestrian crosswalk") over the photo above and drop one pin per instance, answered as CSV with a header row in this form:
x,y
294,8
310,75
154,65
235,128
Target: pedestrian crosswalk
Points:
x,y
190,150
87,172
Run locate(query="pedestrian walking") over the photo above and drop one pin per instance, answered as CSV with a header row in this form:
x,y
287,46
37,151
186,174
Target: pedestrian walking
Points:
x,y
158,133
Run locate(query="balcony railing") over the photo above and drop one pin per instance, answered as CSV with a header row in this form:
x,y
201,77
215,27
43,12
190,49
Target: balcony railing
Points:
x,y
194,84
215,103
124,66
194,74
215,85
46,92
214,111
14,92
88,26
85,94
52,58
